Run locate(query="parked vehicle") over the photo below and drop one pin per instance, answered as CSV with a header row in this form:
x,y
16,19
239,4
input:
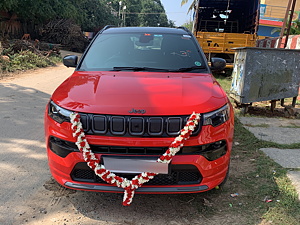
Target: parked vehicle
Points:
x,y
134,89
222,25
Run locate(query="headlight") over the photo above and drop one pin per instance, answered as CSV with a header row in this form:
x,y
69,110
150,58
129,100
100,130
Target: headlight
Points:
x,y
58,113
217,117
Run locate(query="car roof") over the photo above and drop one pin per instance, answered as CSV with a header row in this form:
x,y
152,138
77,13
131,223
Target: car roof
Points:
x,y
165,30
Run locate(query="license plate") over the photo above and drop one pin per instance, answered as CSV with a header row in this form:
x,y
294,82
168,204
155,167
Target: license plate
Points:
x,y
134,164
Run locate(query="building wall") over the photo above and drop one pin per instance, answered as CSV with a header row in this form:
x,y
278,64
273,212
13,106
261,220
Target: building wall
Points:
x,y
282,3
272,11
267,31
277,8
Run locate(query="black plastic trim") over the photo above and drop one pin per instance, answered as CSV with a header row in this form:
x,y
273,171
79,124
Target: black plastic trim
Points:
x,y
141,189
152,126
131,128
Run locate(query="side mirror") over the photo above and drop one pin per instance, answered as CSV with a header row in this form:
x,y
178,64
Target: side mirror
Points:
x,y
70,60
217,64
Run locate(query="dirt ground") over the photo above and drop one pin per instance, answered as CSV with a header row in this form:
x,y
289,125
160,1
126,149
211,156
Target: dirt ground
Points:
x,y
53,204
30,196
264,109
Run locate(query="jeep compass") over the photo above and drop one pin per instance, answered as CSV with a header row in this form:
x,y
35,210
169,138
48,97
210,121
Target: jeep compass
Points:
x,y
134,89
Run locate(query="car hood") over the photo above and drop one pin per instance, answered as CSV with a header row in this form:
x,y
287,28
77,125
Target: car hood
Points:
x,y
149,93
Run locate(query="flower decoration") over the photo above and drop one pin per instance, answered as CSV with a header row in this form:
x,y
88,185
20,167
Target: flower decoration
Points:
x,y
129,186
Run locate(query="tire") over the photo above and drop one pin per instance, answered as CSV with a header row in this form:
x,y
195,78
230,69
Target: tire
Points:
x,y
221,185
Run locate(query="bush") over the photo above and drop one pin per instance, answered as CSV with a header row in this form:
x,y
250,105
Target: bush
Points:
x,y
25,60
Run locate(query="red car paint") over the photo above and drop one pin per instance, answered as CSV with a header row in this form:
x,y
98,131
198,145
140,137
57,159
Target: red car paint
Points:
x,y
134,93
156,93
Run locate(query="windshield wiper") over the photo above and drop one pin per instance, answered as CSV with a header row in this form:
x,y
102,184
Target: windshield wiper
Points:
x,y
185,69
120,68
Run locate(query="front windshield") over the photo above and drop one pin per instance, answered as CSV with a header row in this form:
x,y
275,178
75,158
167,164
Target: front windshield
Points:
x,y
142,51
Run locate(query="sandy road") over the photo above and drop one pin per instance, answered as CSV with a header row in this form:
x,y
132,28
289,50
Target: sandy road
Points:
x,y
28,194
23,162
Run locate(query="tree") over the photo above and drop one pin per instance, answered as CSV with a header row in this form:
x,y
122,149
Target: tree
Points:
x,y
134,7
92,14
188,25
7,4
89,14
142,12
193,5
171,23
295,29
154,14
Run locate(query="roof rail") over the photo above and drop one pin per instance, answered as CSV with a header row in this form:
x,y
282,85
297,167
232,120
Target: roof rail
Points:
x,y
185,29
107,26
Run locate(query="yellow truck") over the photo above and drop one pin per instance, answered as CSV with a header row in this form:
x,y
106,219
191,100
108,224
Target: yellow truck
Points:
x,y
222,25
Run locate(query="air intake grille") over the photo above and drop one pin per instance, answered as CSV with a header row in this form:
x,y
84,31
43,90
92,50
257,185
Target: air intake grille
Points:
x,y
179,175
141,126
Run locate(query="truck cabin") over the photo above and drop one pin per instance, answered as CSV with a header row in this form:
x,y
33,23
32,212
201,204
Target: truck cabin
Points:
x,y
228,16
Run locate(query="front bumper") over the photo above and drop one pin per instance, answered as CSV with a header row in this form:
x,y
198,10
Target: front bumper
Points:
x,y
212,172
153,190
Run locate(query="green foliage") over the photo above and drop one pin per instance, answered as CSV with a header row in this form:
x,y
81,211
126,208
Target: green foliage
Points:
x,y
171,23
142,13
25,60
89,14
92,14
159,19
133,6
295,29
7,4
265,179
192,6
188,25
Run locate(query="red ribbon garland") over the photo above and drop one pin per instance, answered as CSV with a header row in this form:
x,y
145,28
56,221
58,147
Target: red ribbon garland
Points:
x,y
139,180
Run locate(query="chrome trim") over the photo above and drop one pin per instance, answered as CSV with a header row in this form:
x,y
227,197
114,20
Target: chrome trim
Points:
x,y
141,189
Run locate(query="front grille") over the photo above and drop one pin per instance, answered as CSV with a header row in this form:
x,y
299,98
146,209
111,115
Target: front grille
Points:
x,y
141,126
179,175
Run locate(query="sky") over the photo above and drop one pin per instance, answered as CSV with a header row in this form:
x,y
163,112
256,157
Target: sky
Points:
x,y
176,12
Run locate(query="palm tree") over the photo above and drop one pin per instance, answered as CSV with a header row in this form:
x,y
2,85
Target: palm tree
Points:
x,y
193,6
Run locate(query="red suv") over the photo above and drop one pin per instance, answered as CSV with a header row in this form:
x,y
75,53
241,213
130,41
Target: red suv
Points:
x,y
134,89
